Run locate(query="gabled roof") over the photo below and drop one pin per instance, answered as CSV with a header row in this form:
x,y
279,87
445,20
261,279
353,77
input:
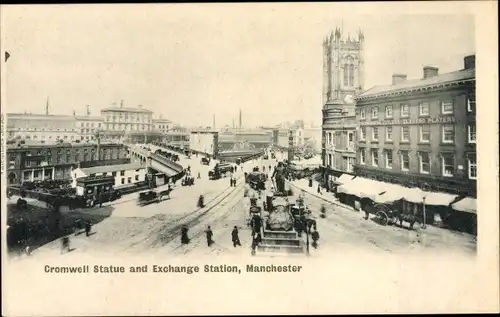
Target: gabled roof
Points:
x,y
111,168
410,85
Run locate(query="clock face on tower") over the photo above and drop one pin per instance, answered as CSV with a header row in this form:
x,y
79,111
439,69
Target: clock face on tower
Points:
x,y
349,99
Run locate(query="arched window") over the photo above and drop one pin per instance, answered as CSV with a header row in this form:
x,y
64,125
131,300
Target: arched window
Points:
x,y
346,75
351,75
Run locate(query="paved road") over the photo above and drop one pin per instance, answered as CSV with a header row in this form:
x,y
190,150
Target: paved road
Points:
x,y
345,228
155,228
134,229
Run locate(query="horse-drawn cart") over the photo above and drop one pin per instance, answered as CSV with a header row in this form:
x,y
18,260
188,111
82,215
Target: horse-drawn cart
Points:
x,y
390,214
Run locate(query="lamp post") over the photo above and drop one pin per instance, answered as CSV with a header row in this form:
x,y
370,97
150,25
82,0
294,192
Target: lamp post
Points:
x,y
300,201
425,186
98,134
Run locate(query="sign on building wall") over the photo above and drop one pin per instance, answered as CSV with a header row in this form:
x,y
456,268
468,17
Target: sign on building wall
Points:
x,y
203,142
434,120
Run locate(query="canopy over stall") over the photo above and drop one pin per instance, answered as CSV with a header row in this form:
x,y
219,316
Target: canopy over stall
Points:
x,y
384,193
362,187
468,204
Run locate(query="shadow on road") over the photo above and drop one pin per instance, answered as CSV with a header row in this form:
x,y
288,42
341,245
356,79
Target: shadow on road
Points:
x,y
35,226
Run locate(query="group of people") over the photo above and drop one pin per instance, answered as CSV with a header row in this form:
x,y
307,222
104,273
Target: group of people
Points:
x,y
232,181
311,185
209,236
65,241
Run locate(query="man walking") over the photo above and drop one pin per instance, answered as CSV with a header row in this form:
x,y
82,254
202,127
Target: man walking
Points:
x,y
209,234
184,235
235,237
88,227
315,238
65,244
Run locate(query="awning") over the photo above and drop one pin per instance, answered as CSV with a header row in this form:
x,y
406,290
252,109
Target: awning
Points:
x,y
439,199
393,193
468,204
348,187
396,192
363,188
344,178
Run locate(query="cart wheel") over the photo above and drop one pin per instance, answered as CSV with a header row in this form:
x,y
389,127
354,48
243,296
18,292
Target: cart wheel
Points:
x,y
382,217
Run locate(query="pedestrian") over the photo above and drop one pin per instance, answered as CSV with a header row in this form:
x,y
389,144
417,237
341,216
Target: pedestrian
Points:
x,y
28,250
315,238
201,203
100,198
199,176
88,227
184,235
235,237
234,182
319,190
310,182
209,234
65,244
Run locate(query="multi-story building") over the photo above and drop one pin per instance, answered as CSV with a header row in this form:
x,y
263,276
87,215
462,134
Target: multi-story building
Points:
x,y
162,125
343,80
421,133
308,137
177,136
87,126
37,161
41,127
120,123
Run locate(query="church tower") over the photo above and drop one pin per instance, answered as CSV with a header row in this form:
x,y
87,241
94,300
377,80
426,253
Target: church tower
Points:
x,y
343,66
343,80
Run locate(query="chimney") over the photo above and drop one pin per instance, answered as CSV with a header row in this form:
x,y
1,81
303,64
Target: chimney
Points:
x,y
470,62
430,71
398,78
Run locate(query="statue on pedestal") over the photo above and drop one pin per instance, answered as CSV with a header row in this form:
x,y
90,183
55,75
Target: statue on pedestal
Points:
x,y
279,177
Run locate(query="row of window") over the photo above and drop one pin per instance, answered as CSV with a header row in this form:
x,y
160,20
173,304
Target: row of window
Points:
x,y
91,125
128,126
44,129
347,161
131,118
447,107
447,162
160,126
448,133
122,173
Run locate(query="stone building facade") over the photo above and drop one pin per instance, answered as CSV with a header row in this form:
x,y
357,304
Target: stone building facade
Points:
x,y
421,133
55,161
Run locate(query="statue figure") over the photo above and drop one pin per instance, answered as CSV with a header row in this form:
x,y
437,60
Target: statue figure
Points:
x,y
279,176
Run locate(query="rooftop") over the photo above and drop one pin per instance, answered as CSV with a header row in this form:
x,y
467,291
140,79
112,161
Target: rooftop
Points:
x,y
38,144
111,168
415,84
126,109
89,118
38,116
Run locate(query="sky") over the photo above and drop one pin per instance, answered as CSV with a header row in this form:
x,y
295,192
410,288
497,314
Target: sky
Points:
x,y
188,62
